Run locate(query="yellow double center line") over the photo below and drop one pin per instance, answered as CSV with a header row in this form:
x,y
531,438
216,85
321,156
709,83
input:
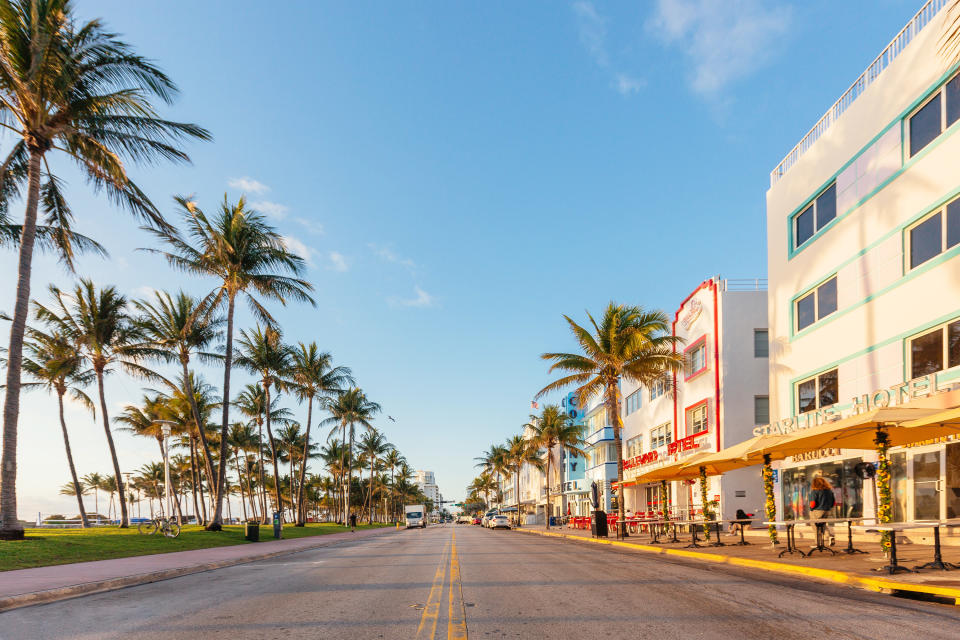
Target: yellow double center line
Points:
x,y
456,612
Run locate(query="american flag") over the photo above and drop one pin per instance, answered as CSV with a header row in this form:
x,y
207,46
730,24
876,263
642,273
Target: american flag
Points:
x,y
534,405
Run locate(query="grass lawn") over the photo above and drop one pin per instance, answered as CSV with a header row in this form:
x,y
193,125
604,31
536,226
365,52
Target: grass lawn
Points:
x,y
43,547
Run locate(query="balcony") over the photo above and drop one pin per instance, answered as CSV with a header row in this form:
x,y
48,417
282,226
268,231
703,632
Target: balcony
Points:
x,y
605,433
922,18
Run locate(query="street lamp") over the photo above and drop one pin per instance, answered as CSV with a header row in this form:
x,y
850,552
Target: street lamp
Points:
x,y
165,429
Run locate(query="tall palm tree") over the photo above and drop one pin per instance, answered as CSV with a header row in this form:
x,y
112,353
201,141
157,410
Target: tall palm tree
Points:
x,y
77,89
243,439
152,477
244,253
333,455
521,452
393,460
373,446
348,410
174,329
494,461
251,402
313,377
97,321
290,449
629,343
262,353
93,481
55,364
553,430
144,420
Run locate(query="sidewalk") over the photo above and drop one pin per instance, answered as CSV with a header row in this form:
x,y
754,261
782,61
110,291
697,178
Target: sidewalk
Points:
x,y
23,587
859,570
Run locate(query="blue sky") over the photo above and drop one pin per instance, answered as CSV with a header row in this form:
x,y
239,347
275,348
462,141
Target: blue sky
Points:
x,y
460,175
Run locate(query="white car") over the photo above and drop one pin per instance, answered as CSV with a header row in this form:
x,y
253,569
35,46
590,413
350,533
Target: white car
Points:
x,y
499,522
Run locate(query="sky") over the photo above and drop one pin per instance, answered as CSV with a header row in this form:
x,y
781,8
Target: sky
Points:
x,y
458,176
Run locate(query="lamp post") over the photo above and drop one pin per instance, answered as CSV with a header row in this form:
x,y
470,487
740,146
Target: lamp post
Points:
x,y
126,488
166,470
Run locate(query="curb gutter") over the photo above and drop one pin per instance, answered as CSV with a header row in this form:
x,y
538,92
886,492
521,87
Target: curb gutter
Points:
x,y
111,584
880,585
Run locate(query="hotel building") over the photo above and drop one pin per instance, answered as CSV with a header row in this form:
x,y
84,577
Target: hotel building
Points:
x,y
715,402
863,237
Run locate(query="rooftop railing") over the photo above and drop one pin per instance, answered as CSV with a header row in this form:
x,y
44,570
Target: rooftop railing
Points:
x,y
895,48
744,284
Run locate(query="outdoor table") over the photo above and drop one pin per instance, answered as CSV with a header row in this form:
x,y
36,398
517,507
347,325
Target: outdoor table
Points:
x,y
821,529
742,523
694,524
894,527
791,537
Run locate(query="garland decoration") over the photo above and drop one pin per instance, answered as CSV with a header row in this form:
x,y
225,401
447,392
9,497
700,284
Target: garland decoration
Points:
x,y
707,506
663,499
770,504
885,502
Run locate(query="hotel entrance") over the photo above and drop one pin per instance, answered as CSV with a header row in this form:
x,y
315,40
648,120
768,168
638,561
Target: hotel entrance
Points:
x,y
926,482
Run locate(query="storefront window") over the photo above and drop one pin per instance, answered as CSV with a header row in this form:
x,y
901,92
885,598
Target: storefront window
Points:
x,y
847,487
953,480
898,485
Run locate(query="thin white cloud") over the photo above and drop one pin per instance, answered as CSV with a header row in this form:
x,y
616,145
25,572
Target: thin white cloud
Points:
x,y
302,250
338,262
420,299
627,84
248,184
592,29
312,227
389,255
272,209
724,39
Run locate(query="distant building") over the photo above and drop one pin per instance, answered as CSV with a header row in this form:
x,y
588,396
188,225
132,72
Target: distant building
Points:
x,y
426,482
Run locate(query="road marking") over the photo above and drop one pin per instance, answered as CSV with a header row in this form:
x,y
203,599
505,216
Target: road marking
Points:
x,y
456,615
428,621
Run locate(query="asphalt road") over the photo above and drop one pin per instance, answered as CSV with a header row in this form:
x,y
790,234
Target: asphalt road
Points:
x,y
450,581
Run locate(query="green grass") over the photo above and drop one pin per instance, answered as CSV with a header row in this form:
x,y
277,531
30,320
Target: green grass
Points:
x,y
44,547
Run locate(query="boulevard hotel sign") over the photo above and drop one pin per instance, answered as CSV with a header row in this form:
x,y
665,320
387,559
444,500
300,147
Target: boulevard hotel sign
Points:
x,y
898,394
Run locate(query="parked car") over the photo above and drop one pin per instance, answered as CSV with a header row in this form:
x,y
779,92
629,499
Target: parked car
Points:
x,y
499,522
464,519
476,521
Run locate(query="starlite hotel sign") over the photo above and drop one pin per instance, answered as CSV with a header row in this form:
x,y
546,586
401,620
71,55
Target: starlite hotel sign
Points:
x,y
898,394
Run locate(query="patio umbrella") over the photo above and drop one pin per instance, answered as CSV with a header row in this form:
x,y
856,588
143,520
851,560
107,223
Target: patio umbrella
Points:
x,y
744,454
674,471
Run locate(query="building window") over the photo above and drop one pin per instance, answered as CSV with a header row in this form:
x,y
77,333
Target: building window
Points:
x,y
697,419
935,350
934,234
695,358
815,216
761,409
761,343
632,402
816,305
657,389
939,112
818,392
661,436
634,447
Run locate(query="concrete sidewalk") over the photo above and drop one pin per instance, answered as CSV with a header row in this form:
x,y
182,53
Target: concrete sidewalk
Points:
x,y
860,570
23,587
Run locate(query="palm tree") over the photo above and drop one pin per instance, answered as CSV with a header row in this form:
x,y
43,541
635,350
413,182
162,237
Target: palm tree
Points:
x,y
174,329
243,439
494,461
333,455
629,343
350,409
312,377
239,249
290,448
98,323
251,402
78,89
145,420
372,447
152,477
520,452
393,460
93,481
554,430
56,365
262,352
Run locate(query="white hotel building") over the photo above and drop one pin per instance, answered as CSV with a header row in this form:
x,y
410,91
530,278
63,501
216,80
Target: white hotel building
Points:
x,y
717,400
863,237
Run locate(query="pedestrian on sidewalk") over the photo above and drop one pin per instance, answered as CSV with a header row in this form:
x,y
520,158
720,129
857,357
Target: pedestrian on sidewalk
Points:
x,y
822,502
353,521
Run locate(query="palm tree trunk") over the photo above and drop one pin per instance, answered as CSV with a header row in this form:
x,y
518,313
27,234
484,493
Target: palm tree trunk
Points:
x,y
349,473
194,478
517,481
195,411
613,407
548,507
203,500
176,504
293,512
246,467
243,500
216,524
73,469
10,528
273,450
263,483
301,516
345,486
124,521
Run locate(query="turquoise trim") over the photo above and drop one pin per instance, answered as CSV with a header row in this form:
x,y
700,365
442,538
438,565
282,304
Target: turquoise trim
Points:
x,y
904,165
804,294
906,277
901,336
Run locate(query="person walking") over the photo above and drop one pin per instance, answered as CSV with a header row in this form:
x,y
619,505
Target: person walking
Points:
x,y
353,521
822,502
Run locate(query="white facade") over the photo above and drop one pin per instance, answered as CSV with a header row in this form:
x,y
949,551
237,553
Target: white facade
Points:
x,y
428,485
863,234
717,400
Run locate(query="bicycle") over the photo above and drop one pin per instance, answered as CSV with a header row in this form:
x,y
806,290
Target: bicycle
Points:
x,y
167,526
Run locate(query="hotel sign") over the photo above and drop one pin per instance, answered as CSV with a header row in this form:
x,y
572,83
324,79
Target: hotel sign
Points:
x,y
898,394
696,308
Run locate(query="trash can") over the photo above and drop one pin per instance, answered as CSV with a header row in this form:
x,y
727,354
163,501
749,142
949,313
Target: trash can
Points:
x,y
277,526
599,525
553,521
251,531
